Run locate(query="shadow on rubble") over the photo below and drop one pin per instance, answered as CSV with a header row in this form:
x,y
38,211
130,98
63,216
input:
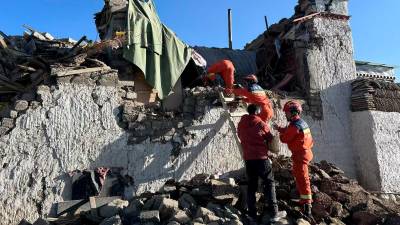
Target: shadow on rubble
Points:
x,y
160,156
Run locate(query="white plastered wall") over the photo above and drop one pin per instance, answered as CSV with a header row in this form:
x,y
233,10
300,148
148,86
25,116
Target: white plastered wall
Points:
x,y
73,131
376,142
331,69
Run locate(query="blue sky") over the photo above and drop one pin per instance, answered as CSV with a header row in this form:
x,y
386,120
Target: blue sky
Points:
x,y
375,27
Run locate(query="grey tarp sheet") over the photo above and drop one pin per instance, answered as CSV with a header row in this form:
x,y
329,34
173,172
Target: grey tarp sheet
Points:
x,y
154,48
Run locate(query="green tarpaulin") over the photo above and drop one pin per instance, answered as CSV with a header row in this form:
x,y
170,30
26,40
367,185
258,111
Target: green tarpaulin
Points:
x,y
154,48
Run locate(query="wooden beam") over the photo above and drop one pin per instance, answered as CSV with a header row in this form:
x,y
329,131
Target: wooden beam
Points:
x,y
238,114
3,43
7,83
93,207
6,90
80,71
301,19
227,115
321,14
78,206
26,68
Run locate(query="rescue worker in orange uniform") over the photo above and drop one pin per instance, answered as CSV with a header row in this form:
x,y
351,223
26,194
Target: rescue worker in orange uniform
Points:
x,y
255,94
226,69
297,136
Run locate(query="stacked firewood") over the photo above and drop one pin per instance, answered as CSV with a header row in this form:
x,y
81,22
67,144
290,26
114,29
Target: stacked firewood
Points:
x,y
370,94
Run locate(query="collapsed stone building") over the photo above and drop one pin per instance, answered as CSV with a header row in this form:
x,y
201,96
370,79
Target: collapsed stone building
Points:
x,y
66,107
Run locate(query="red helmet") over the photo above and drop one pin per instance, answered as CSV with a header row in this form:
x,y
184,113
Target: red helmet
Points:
x,y
293,106
251,77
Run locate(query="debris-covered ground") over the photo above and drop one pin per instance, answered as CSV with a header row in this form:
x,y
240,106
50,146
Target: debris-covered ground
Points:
x,y
220,200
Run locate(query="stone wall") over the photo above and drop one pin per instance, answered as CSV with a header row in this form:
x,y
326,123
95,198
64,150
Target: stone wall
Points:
x,y
329,68
376,144
78,126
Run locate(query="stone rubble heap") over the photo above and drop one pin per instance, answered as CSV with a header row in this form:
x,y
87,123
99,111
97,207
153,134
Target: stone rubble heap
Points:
x,y
150,123
221,200
336,197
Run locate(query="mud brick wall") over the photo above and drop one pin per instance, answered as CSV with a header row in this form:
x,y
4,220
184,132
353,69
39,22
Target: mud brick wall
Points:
x,y
329,67
81,123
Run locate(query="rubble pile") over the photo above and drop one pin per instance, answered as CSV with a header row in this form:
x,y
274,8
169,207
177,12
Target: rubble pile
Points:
x,y
336,197
371,94
221,199
152,123
273,65
37,58
29,60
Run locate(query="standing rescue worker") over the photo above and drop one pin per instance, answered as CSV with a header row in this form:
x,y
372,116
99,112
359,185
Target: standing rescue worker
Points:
x,y
299,140
253,134
226,69
255,94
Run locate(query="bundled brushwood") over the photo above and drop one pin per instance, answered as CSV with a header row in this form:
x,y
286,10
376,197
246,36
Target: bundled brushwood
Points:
x,y
369,94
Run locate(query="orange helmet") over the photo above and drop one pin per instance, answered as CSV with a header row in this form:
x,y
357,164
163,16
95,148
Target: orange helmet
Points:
x,y
251,77
293,106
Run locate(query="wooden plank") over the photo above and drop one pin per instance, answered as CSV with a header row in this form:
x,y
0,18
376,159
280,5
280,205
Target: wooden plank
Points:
x,y
301,19
35,33
5,90
238,114
5,37
81,71
7,83
85,207
26,68
231,123
228,99
322,14
63,220
93,208
3,43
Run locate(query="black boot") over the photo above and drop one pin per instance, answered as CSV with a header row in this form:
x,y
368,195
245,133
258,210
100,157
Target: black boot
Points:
x,y
307,210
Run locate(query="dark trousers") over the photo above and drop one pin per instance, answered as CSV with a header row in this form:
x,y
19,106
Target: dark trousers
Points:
x,y
260,169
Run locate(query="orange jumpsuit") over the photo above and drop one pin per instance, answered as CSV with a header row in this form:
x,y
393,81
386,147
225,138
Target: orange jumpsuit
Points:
x,y
299,140
256,95
226,69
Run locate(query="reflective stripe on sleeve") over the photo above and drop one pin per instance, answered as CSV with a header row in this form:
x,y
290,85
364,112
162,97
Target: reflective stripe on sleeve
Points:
x,y
306,196
307,131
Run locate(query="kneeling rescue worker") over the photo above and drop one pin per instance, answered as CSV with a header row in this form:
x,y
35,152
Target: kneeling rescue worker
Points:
x,y
226,69
299,140
255,94
253,134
